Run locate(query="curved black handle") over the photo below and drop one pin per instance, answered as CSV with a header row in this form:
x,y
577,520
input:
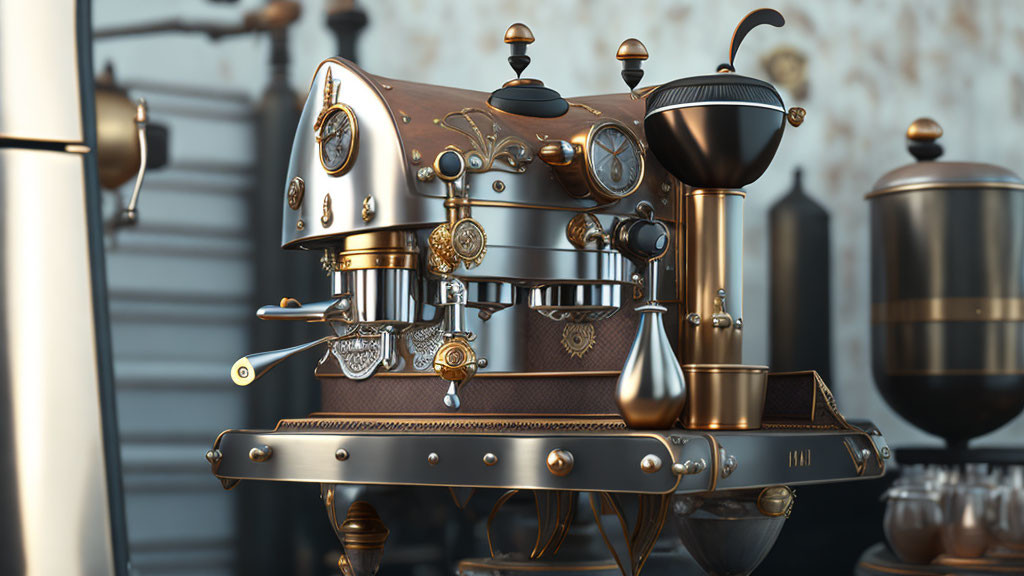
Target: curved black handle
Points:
x,y
749,22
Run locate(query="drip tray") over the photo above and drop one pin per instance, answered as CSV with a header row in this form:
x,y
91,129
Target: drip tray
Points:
x,y
545,453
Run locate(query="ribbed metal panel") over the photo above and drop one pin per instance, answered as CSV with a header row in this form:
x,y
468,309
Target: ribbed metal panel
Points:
x,y
179,288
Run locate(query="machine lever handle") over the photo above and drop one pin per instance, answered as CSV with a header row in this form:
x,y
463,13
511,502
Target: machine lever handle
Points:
x,y
129,216
252,367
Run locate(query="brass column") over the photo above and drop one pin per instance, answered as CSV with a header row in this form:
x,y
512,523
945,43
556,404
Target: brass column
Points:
x,y
714,277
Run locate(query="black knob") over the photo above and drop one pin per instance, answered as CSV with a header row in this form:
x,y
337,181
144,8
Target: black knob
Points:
x,y
647,239
449,165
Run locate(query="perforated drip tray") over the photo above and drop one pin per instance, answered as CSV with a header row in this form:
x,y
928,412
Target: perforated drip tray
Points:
x,y
547,453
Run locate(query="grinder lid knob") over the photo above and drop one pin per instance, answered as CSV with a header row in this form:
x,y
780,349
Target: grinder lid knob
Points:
x,y
632,54
921,139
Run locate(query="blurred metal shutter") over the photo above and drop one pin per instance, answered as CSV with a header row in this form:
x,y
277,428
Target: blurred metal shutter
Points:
x,y
179,294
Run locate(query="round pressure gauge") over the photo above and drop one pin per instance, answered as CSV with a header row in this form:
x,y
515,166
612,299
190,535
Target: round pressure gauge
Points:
x,y
338,139
614,160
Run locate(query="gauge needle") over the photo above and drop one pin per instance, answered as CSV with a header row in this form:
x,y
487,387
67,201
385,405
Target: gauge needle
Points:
x,y
621,148
610,151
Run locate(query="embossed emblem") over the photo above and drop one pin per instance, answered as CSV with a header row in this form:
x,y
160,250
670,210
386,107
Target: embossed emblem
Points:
x,y
296,190
469,241
578,338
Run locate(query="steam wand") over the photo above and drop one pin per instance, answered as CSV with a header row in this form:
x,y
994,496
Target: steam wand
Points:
x,y
651,391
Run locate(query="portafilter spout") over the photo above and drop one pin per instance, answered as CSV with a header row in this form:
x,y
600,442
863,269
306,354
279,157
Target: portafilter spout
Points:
x,y
651,391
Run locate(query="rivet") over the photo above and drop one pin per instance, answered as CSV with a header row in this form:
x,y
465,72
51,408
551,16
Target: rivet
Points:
x,y
416,156
300,225
650,464
437,121
490,459
666,187
693,318
386,86
405,118
433,458
213,456
498,186
260,453
341,454
885,452
560,462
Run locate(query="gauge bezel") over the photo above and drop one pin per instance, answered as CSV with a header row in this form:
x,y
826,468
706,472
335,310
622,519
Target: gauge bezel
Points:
x,y
597,186
339,108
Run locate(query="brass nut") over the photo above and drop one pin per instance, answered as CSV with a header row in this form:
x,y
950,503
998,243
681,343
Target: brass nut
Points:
x,y
560,462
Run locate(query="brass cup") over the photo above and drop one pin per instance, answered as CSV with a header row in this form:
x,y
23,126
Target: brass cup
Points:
x,y
724,396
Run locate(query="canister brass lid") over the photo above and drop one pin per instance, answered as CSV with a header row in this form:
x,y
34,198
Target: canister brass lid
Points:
x,y
929,174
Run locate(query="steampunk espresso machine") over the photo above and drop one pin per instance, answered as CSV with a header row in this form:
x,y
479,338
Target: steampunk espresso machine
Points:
x,y
544,295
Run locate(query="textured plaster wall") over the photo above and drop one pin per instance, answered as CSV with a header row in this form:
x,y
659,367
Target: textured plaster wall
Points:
x,y
872,66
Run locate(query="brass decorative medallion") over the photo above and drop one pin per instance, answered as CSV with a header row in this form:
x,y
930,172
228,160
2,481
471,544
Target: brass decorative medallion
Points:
x,y
442,258
328,215
296,190
578,338
469,242
455,360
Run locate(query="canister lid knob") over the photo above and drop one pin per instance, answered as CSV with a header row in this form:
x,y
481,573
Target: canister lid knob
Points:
x,y
921,139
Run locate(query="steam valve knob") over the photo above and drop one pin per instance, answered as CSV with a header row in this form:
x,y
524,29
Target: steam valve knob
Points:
x,y
648,238
632,54
518,37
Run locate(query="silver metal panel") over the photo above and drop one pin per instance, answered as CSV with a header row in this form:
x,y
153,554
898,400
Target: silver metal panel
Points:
x,y
50,375
39,59
608,462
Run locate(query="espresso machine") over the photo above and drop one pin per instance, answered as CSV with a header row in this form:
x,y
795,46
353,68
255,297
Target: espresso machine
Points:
x,y
544,296
947,331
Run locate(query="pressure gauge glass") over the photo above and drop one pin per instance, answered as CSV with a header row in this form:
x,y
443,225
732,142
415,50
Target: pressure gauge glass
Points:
x,y
615,160
337,139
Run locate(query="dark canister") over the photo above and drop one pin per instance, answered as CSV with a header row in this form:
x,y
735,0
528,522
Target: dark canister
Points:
x,y
947,291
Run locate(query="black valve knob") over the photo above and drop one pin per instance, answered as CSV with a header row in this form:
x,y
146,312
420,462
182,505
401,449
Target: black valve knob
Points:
x,y
921,139
647,239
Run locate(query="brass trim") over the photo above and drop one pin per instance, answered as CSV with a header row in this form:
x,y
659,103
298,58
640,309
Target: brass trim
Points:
x,y
494,512
955,372
77,148
353,146
948,310
943,186
715,456
375,261
924,130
